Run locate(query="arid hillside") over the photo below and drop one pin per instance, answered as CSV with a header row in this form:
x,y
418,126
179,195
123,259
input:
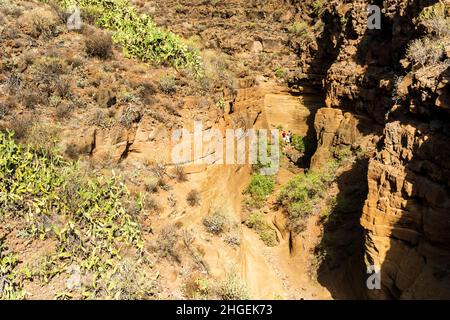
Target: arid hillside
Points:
x,y
93,204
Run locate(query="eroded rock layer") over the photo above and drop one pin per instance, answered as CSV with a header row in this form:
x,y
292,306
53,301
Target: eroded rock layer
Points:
x,y
382,101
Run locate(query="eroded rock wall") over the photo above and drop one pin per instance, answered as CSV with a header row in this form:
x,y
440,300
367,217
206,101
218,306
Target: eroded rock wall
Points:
x,y
406,214
378,101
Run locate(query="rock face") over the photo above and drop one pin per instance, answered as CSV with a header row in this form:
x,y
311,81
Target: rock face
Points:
x,y
336,130
326,124
369,85
406,215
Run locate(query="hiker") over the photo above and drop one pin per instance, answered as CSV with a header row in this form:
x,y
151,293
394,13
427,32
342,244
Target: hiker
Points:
x,y
284,136
289,137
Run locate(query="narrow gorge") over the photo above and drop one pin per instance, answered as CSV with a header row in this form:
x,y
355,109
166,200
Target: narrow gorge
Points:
x,y
93,206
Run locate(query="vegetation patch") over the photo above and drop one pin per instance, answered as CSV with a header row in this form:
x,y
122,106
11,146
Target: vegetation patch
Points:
x,y
87,216
258,190
298,143
137,34
267,233
232,288
98,44
430,50
216,223
303,193
197,288
10,277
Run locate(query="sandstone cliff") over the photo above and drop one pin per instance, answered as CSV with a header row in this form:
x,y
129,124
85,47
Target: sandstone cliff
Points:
x,y
395,110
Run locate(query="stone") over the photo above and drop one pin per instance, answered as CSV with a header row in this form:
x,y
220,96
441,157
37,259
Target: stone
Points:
x,y
256,47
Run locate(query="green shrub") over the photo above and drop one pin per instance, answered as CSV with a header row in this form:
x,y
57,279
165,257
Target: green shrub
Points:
x,y
197,288
266,232
299,28
436,20
301,195
319,7
87,216
10,282
343,153
259,189
298,143
279,73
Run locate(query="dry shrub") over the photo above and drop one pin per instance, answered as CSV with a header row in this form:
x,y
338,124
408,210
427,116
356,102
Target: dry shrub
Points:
x,y
216,72
180,174
130,115
63,86
64,109
98,44
425,52
31,97
10,9
4,109
439,25
49,67
233,239
28,58
39,22
43,137
132,282
151,204
193,198
21,126
151,184
159,169
158,116
13,83
232,288
169,107
61,14
163,184
166,243
216,223
75,61
168,84
48,74
101,118
188,237
72,152
144,87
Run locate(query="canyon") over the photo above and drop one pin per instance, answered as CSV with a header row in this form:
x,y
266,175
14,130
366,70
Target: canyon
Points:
x,y
362,103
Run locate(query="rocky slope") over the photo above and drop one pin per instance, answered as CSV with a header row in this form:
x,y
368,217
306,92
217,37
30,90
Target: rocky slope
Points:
x,y
118,113
395,110
313,67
